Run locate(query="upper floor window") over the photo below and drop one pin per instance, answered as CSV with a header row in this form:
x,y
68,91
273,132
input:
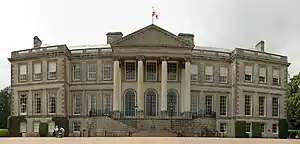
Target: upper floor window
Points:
x,y
51,70
92,71
77,104
37,71
208,105
23,104
209,73
248,73
262,105
275,106
172,71
23,72
76,72
130,70
194,72
37,103
262,75
151,70
248,105
223,105
92,101
223,74
107,71
51,102
275,77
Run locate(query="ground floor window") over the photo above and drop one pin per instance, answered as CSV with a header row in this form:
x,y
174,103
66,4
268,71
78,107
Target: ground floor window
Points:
x,y
36,127
248,127
76,126
223,127
51,126
23,127
274,128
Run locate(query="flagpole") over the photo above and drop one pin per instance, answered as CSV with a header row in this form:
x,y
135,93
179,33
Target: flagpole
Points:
x,y
152,15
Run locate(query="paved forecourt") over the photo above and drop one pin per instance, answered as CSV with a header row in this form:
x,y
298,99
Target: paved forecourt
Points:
x,y
143,140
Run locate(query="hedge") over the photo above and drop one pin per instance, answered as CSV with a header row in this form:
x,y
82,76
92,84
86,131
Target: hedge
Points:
x,y
240,129
62,122
4,132
283,128
14,125
43,129
256,130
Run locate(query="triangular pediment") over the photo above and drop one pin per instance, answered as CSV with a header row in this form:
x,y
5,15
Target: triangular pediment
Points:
x,y
151,35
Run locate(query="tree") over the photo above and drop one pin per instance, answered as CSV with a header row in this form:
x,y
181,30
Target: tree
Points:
x,y
4,106
293,102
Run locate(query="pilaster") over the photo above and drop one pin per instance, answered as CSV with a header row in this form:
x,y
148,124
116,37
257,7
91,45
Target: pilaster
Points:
x,y
187,84
164,78
140,80
116,85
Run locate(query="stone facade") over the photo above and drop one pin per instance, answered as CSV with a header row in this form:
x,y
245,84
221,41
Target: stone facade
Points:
x,y
200,79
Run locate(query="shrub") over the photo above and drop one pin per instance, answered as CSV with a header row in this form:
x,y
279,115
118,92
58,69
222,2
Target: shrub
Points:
x,y
4,132
256,130
283,128
62,122
43,130
14,125
240,129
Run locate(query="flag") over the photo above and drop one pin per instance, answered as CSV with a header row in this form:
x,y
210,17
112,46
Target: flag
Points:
x,y
154,14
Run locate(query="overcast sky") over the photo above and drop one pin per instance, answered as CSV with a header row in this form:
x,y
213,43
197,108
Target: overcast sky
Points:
x,y
217,23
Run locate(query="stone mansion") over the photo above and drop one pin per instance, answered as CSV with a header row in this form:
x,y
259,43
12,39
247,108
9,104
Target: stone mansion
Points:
x,y
151,74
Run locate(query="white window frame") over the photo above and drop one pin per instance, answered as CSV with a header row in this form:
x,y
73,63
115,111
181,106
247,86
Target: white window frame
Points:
x,y
224,74
226,105
263,128
208,73
35,103
125,71
225,126
264,104
251,98
37,71
75,95
76,71
169,62
249,128
194,72
51,126
277,128
195,103
277,107
23,72
147,78
107,71
36,127
262,72
75,124
91,75
248,72
52,74
26,104
276,75
23,127
212,103
51,94
107,102
91,101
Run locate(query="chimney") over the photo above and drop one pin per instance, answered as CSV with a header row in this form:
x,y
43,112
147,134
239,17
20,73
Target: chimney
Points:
x,y
188,37
260,46
36,42
113,36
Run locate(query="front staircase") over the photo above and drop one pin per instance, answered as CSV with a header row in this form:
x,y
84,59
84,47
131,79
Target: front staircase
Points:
x,y
106,126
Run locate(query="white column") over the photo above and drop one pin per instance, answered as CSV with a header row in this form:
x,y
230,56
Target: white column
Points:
x,y
187,89
140,80
164,79
116,86
182,91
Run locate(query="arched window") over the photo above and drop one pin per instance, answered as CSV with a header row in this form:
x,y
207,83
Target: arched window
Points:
x,y
129,100
172,103
150,103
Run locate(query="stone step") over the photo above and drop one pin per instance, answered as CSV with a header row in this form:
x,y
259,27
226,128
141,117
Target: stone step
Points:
x,y
156,133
